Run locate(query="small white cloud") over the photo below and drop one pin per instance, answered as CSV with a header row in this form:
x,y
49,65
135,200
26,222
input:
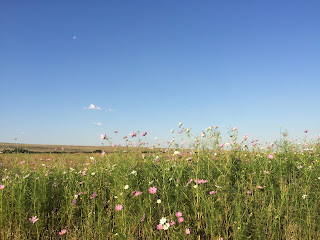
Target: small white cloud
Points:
x,y
97,123
74,37
92,106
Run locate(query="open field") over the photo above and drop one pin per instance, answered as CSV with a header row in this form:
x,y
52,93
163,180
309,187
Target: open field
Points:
x,y
199,193
39,148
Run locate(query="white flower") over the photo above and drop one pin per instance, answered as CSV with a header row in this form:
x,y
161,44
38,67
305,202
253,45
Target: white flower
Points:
x,y
159,201
156,138
75,196
195,186
163,220
180,124
187,130
171,130
91,158
176,153
93,173
151,182
166,226
134,172
304,196
126,187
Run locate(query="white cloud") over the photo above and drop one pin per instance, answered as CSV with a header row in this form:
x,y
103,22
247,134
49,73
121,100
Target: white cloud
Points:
x,y
74,37
92,106
97,123
110,109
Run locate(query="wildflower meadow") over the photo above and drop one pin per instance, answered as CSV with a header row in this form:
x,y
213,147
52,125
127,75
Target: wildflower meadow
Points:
x,y
200,186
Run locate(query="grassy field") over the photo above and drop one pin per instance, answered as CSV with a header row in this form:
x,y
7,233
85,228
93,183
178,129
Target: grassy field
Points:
x,y
210,191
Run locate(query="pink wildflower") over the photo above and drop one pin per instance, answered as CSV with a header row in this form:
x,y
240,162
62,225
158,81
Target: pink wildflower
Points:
x,y
260,187
181,219
137,193
93,195
143,217
306,131
118,207
189,181
212,192
133,134
144,134
33,219
270,156
103,136
179,214
172,223
1,187
74,201
63,231
201,181
152,190
187,231
116,131
248,192
159,226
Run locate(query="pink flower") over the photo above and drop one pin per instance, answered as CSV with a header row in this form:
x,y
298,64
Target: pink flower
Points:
x,y
179,214
187,231
115,131
266,172
1,187
234,128
74,201
213,192
306,131
172,223
63,231
143,217
270,156
33,219
181,219
144,134
133,134
152,190
189,181
103,136
93,195
259,187
118,207
248,192
201,181
159,226
137,193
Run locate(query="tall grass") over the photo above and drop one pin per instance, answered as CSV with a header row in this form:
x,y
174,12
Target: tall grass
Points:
x,y
232,193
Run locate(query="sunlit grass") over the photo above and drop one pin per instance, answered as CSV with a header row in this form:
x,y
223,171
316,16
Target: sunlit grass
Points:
x,y
203,189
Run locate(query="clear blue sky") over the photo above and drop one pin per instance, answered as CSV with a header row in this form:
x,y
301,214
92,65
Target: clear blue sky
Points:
x,y
151,64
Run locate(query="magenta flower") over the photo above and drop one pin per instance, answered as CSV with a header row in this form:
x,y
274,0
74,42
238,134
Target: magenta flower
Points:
x,y
306,131
152,190
212,192
74,201
270,156
179,214
144,134
118,207
259,187
248,192
116,131
33,219
103,136
159,226
63,231
172,223
181,219
1,187
187,231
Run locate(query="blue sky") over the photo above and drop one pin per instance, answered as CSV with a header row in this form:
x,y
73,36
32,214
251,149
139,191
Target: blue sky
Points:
x,y
152,64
